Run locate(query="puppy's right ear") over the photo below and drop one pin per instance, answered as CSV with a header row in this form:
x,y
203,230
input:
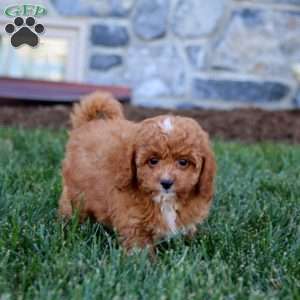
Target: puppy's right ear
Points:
x,y
126,171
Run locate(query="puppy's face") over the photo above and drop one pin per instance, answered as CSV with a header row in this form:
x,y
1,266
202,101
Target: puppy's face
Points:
x,y
170,156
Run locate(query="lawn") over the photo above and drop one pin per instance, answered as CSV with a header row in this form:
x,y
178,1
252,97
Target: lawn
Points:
x,y
249,248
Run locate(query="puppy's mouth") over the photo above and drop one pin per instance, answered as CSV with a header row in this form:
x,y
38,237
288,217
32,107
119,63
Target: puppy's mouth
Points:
x,y
167,192
164,196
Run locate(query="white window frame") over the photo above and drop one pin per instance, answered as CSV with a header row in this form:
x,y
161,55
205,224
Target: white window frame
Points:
x,y
75,31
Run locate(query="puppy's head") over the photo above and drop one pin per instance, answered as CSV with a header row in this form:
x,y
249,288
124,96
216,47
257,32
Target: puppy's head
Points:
x,y
173,158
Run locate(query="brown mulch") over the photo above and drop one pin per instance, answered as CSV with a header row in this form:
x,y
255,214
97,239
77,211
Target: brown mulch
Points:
x,y
241,124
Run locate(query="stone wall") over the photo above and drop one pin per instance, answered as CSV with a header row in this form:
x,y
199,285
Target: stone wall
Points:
x,y
183,53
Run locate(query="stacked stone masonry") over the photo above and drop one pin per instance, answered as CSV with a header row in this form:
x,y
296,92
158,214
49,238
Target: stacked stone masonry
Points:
x,y
186,53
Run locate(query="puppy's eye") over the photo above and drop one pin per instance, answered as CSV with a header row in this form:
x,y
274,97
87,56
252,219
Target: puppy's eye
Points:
x,y
183,163
153,161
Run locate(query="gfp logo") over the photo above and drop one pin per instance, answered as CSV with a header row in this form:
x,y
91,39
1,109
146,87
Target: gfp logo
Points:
x,y
24,30
25,10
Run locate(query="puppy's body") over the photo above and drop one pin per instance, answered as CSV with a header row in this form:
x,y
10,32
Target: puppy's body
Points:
x,y
131,176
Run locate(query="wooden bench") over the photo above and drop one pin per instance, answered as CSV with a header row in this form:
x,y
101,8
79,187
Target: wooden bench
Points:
x,y
14,91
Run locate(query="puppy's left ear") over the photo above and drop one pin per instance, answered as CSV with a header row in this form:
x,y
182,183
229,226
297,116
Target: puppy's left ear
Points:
x,y
207,174
126,173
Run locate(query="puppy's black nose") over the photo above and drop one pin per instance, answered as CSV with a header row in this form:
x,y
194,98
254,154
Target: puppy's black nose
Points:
x,y
166,183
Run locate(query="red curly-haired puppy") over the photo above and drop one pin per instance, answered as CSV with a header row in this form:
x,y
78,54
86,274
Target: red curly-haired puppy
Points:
x,y
145,180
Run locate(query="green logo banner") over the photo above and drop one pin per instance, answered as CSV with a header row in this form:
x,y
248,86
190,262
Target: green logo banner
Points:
x,y
25,10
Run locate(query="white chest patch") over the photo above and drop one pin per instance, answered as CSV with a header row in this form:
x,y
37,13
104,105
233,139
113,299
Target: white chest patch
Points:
x,y
168,210
166,125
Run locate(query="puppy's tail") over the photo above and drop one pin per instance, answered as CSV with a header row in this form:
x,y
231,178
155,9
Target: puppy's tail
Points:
x,y
97,105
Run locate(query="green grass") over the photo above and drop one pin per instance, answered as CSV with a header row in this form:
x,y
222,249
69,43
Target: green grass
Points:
x,y
249,248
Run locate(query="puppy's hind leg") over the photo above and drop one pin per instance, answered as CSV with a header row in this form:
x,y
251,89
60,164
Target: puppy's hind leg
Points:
x,y
65,206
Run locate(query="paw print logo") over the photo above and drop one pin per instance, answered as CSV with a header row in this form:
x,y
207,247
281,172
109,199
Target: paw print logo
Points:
x,y
24,33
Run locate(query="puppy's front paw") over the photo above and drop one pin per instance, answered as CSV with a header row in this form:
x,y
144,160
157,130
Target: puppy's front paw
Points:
x,y
190,232
137,251
134,243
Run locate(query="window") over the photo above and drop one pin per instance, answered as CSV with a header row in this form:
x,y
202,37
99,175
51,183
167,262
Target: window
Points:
x,y
60,55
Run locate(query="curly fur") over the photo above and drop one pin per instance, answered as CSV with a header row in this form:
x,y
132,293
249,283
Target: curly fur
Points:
x,y
91,108
107,173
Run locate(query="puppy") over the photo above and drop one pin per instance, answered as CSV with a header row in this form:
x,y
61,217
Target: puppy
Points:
x,y
147,180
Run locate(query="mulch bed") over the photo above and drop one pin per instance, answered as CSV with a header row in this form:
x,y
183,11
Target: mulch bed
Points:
x,y
247,125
